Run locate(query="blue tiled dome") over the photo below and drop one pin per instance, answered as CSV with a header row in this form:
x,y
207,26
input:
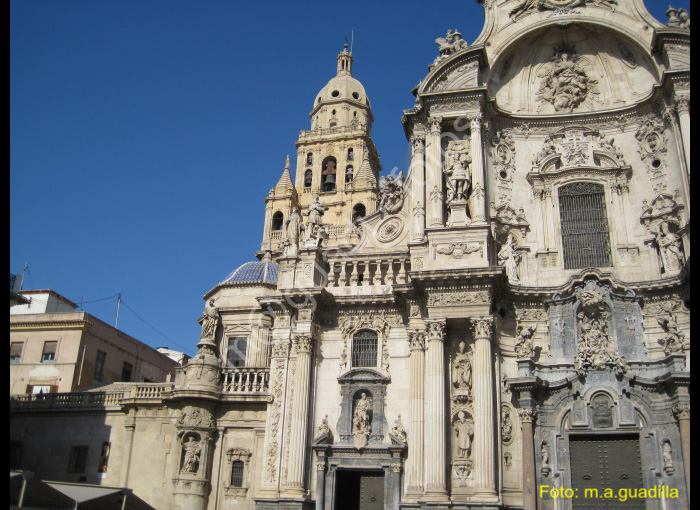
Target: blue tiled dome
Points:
x,y
254,272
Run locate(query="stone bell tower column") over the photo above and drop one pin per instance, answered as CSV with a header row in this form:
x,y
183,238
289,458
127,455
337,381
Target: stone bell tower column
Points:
x,y
484,461
435,450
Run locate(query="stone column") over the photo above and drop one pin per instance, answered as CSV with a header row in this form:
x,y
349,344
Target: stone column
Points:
x,y
418,184
435,448
527,421
434,174
300,411
683,109
415,464
478,194
320,483
482,377
682,413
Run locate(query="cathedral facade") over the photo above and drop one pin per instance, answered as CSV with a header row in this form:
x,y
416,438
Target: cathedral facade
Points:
x,y
504,326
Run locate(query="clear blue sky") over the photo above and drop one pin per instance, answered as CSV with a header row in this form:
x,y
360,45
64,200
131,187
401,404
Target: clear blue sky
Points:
x,y
144,135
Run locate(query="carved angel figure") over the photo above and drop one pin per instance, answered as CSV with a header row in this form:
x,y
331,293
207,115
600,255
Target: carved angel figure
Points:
x,y
451,43
565,83
391,193
523,343
673,341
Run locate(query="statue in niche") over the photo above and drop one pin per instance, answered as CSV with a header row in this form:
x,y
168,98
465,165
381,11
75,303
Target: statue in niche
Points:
x,y
673,341
209,321
509,258
669,245
462,369
192,450
667,454
544,457
294,227
457,171
565,83
507,426
523,343
464,430
362,421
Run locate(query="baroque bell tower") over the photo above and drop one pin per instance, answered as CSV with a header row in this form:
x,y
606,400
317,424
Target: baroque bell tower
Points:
x,y
336,160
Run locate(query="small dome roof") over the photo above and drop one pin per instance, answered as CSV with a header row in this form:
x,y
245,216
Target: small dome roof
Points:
x,y
257,271
343,87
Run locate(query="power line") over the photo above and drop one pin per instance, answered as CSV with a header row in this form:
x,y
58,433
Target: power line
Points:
x,y
186,349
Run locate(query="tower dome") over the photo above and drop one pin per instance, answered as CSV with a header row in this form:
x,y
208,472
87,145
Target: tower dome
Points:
x,y
343,87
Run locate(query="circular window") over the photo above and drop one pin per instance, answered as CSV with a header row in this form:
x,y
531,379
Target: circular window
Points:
x,y
335,93
356,95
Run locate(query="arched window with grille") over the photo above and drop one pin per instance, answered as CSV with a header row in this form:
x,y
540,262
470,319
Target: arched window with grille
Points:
x,y
584,225
364,349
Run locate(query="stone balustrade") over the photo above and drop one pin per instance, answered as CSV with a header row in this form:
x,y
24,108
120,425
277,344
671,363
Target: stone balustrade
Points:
x,y
245,380
367,272
89,399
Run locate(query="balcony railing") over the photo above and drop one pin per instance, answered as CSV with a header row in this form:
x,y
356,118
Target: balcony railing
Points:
x,y
242,381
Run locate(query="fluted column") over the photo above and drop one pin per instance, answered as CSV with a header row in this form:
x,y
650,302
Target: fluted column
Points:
x,y
434,174
415,464
435,450
683,109
682,413
418,184
484,461
300,410
527,421
478,195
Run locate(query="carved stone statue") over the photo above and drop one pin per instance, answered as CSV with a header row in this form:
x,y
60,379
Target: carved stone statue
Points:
x,y
673,341
451,43
462,369
523,343
294,228
678,18
509,258
391,193
323,429
315,214
457,171
192,450
544,452
667,454
670,247
507,426
548,148
565,83
398,430
209,321
362,421
464,430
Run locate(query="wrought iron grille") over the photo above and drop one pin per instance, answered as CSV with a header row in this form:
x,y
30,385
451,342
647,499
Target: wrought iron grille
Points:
x,y
584,225
237,474
364,349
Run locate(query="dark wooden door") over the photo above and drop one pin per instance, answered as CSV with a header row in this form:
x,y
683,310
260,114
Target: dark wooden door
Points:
x,y
600,463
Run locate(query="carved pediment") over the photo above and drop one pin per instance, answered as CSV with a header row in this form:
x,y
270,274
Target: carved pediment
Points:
x,y
364,376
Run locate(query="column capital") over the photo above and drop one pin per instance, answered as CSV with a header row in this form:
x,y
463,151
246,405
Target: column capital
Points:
x,y
416,340
483,327
303,344
476,120
436,329
418,142
682,104
681,412
527,415
435,125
